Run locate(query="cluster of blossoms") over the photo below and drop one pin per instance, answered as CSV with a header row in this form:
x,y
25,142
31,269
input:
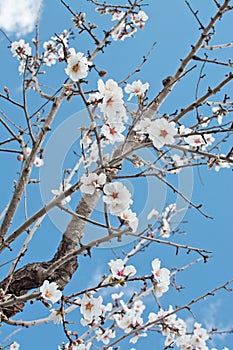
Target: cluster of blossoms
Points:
x,y
56,48
38,162
160,131
126,28
164,219
176,333
22,51
196,341
127,317
171,327
109,99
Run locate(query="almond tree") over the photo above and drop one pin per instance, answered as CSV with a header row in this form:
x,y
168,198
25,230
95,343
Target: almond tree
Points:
x,y
143,143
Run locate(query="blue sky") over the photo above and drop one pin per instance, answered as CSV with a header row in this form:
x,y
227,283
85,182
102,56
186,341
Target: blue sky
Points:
x,y
174,29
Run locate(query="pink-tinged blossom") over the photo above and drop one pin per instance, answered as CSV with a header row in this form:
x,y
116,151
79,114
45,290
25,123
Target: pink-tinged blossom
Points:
x,y
130,219
38,162
200,335
118,197
199,140
112,132
112,105
195,140
14,346
92,182
136,89
162,132
50,60
123,31
139,19
50,291
77,66
161,278
184,342
105,336
20,49
119,270
91,307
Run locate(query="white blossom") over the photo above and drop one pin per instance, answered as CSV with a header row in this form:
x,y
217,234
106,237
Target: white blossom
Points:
x,y
220,163
136,89
55,316
38,162
162,278
92,182
77,66
20,49
50,291
178,162
118,197
105,336
123,31
220,113
113,132
86,140
117,296
130,219
162,132
14,346
90,307
165,229
139,19
50,60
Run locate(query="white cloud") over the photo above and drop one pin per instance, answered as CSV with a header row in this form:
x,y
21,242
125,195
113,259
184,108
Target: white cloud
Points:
x,y
19,16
